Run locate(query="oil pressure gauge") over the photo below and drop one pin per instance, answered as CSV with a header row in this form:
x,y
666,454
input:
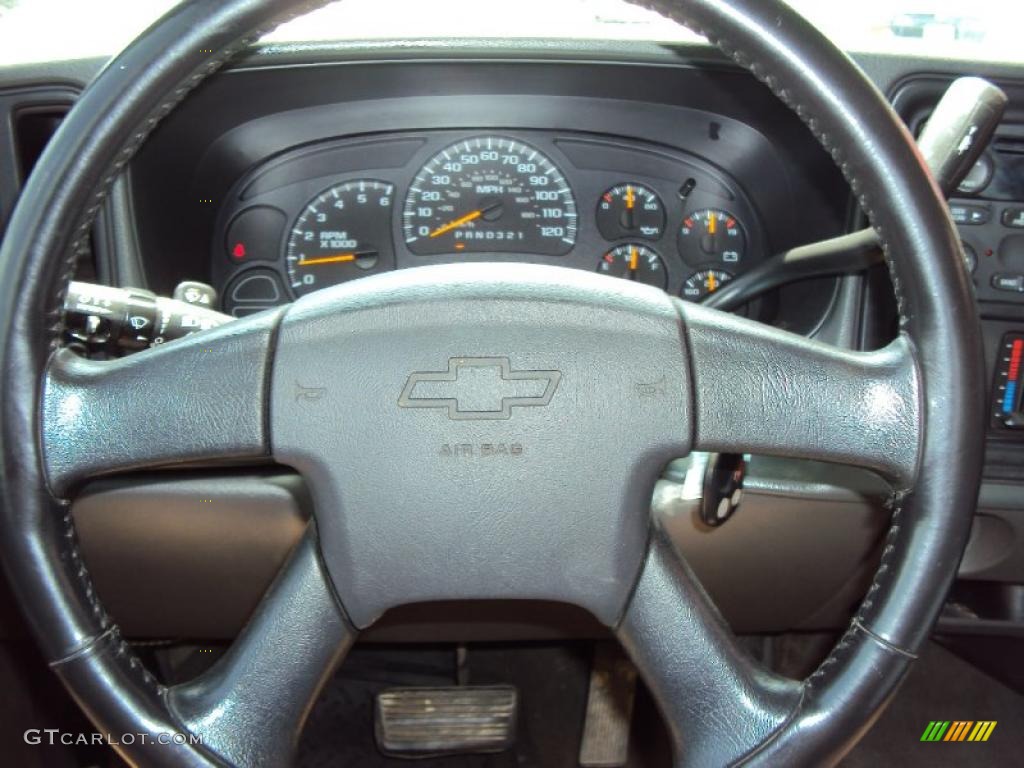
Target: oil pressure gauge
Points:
x,y
630,210
712,235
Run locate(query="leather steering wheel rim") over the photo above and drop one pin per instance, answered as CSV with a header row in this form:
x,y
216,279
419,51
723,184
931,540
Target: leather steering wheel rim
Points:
x,y
928,392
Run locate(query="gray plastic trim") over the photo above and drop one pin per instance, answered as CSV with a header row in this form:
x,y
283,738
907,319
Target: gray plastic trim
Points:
x,y
251,705
762,390
199,398
721,703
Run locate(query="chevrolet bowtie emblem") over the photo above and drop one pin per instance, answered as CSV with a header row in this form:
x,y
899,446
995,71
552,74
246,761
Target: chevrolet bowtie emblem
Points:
x,y
479,388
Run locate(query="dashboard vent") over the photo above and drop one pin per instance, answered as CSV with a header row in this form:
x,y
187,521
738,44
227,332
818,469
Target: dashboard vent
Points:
x,y
34,126
1009,139
28,119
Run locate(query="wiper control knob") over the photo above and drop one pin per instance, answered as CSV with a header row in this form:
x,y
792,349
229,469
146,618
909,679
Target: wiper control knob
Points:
x,y
109,319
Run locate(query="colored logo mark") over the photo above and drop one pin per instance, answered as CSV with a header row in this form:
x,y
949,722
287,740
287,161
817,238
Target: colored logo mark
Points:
x,y
958,730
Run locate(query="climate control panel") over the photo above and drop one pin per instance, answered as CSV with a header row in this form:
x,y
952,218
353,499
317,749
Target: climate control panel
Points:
x,y
1008,389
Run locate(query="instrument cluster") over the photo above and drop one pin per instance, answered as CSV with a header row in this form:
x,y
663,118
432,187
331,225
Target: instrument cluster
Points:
x,y
336,211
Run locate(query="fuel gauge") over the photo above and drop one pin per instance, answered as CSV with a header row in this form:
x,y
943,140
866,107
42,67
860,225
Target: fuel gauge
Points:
x,y
634,262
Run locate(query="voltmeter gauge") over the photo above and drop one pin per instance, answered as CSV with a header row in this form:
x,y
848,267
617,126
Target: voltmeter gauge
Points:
x,y
630,210
706,281
712,235
634,262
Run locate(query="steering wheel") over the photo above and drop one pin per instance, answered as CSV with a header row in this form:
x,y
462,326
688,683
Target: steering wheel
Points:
x,y
489,431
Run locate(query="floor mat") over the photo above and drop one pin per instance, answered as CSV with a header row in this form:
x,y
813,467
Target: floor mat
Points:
x,y
942,686
552,680
552,689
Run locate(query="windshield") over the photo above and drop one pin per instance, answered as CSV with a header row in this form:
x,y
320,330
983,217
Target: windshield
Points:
x,y
45,30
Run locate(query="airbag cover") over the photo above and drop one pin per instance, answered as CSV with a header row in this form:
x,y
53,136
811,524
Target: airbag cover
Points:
x,y
482,431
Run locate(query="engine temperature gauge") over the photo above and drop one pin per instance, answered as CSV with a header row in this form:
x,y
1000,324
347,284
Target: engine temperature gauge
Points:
x,y
634,262
630,210
712,235
700,284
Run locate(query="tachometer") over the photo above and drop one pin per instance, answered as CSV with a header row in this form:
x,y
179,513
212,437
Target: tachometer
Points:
x,y
490,194
342,233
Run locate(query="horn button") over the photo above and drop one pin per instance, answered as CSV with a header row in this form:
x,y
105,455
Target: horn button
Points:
x,y
481,431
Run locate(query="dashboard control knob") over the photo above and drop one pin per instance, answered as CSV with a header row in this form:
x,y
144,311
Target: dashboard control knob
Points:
x,y
196,293
1013,218
723,487
1003,281
970,257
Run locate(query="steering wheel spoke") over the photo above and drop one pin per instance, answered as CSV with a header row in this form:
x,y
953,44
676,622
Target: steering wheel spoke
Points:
x,y
761,390
720,703
201,398
249,708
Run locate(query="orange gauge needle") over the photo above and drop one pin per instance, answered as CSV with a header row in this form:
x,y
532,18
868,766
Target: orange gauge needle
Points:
x,y
630,197
457,223
466,219
712,224
712,283
634,258
338,258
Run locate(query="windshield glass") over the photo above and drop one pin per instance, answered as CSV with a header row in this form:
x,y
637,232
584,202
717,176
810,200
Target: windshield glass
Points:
x,y
45,30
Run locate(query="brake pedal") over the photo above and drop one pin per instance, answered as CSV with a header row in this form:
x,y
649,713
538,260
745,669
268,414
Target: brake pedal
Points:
x,y
424,722
605,741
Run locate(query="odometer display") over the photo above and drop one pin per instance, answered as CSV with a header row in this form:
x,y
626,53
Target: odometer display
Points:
x,y
489,194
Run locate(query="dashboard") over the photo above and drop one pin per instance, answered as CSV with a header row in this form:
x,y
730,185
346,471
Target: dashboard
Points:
x,y
269,183
340,210
301,168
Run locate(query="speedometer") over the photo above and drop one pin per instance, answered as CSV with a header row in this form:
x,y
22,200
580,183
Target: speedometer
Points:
x,y
489,194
